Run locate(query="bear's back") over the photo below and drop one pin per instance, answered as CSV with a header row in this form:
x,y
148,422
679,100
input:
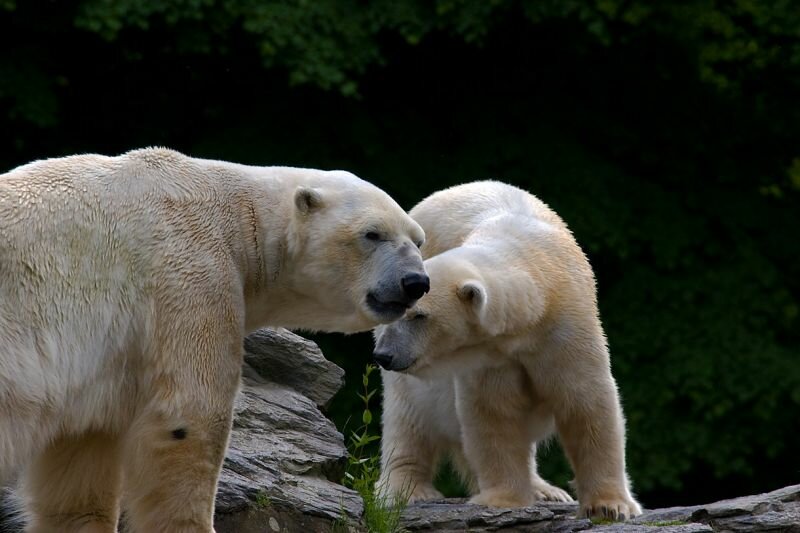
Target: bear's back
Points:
x,y
451,215
103,233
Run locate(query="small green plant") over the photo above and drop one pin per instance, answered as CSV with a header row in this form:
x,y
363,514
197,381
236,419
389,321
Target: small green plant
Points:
x,y
262,500
363,469
601,521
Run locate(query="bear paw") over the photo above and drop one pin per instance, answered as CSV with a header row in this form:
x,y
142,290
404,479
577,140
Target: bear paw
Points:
x,y
544,491
609,508
424,492
401,490
501,498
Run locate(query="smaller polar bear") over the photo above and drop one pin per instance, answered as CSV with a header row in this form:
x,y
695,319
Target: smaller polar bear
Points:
x,y
126,286
505,350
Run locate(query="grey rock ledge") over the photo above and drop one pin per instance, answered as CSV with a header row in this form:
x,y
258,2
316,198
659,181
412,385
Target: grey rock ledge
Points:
x,y
777,511
285,458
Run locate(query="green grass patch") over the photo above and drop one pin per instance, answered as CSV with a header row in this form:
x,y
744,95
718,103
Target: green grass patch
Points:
x,y
381,515
598,521
262,500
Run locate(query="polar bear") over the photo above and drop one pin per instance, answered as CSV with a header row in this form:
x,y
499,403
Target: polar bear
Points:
x,y
126,286
506,349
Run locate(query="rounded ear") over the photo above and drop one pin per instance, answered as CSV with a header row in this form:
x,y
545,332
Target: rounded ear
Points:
x,y
473,293
307,199
514,304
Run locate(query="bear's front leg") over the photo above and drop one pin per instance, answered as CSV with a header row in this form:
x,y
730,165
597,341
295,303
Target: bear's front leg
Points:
x,y
409,449
175,447
492,407
592,430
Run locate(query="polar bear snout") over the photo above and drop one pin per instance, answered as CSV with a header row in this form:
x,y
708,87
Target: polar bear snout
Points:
x,y
388,361
384,360
389,352
392,301
416,285
402,281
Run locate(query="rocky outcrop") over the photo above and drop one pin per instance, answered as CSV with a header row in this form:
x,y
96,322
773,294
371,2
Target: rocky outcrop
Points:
x,y
285,457
777,511
453,515
284,358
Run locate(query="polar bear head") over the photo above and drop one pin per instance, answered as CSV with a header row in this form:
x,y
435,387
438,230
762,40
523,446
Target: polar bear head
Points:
x,y
477,309
355,259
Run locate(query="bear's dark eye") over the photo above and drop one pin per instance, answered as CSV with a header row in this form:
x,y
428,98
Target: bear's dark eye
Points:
x,y
373,236
419,244
419,316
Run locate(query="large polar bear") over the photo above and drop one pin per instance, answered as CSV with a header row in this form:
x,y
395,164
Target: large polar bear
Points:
x,y
126,286
506,349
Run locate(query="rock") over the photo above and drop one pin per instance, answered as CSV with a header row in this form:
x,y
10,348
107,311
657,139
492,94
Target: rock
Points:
x,y
774,511
452,515
285,458
281,357
628,527
778,510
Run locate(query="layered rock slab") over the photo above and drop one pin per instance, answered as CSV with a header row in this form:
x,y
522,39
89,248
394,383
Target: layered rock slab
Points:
x,y
285,458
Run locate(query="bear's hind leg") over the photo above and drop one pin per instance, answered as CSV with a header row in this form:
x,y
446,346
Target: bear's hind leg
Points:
x,y
171,471
542,426
175,445
543,490
74,486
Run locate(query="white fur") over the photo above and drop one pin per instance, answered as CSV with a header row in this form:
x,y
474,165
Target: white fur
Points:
x,y
505,350
126,286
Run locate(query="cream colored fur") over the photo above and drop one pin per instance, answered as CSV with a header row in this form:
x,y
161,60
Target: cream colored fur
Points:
x,y
505,350
126,286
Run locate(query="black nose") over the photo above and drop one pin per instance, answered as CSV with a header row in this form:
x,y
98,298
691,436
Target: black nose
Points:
x,y
415,285
383,359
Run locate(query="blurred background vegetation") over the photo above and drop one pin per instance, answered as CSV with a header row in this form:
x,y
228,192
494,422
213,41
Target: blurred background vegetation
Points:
x,y
665,134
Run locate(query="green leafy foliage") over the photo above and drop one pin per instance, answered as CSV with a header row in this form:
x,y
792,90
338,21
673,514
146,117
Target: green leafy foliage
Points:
x,y
330,42
363,469
263,500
